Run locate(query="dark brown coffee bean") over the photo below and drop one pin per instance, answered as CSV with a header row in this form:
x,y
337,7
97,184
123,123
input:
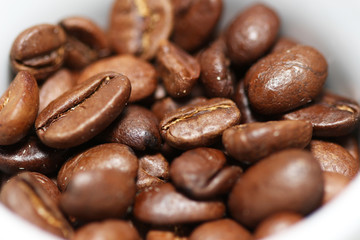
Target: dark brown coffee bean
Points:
x,y
109,229
153,171
248,143
39,50
98,194
105,156
54,86
202,173
334,158
83,112
30,154
334,184
275,184
138,27
163,106
200,124
86,42
162,205
195,21
179,70
331,115
221,229
25,196
276,223
141,74
163,235
18,108
216,76
252,33
283,81
136,127
283,44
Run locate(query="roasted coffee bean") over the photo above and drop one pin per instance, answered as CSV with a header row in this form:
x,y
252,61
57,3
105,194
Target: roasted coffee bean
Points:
x,y
331,115
30,154
199,124
163,106
136,127
334,183
248,143
153,171
289,180
350,143
195,21
216,76
163,235
138,27
162,205
39,50
334,158
24,195
105,156
283,44
54,86
85,43
98,194
141,74
283,81
18,108
221,229
48,185
109,229
252,33
83,112
276,223
178,70
202,173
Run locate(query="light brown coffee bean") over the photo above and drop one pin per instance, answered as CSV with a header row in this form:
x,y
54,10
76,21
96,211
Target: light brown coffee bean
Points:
x,y
141,74
334,158
199,124
248,143
25,196
105,156
221,229
202,173
275,184
18,108
350,143
334,184
39,50
98,194
162,205
178,70
138,27
83,112
252,33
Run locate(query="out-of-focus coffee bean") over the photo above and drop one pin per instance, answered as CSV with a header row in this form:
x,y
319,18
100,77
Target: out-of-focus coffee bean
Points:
x,y
221,229
163,106
248,143
283,43
136,127
54,86
252,33
195,21
162,205
178,70
163,235
350,143
283,81
275,184
334,183
39,50
276,223
109,229
216,76
153,171
331,115
85,43
83,112
141,74
105,156
24,195
199,124
138,27
48,185
98,194
18,108
334,158
202,173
